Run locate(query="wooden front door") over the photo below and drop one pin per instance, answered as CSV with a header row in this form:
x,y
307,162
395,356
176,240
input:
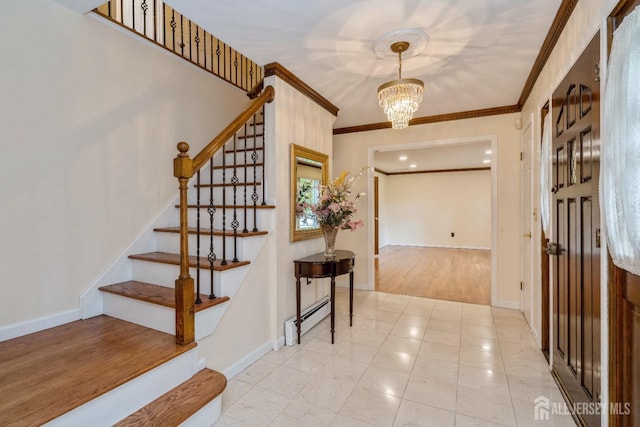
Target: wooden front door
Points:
x,y
576,222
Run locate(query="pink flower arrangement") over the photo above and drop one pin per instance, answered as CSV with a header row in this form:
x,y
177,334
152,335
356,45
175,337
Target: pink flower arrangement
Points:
x,y
335,207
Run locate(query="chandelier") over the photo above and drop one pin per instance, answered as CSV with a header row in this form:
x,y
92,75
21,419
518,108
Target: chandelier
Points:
x,y
400,98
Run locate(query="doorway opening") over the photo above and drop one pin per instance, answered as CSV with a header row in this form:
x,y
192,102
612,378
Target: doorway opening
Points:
x,y
434,223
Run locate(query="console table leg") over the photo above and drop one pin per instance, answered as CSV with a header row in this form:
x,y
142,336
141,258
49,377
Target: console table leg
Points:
x,y
333,305
351,298
298,307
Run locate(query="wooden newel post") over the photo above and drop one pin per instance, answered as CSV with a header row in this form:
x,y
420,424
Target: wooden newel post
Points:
x,y
185,296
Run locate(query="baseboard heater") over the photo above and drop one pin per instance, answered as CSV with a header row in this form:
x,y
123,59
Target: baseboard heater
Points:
x,y
309,317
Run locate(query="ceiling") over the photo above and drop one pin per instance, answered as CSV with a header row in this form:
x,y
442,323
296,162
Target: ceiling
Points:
x,y
479,54
438,157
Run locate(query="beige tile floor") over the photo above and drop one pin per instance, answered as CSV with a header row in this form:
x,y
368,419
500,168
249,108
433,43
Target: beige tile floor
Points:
x,y
406,361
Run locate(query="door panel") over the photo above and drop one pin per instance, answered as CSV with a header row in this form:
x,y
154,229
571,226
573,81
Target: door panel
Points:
x,y
576,216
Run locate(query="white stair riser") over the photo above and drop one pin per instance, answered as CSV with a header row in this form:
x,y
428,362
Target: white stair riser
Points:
x,y
242,174
166,275
158,317
228,196
240,159
262,218
117,404
247,246
206,415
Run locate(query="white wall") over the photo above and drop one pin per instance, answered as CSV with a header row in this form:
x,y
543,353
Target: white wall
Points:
x,y
424,209
90,116
351,151
292,119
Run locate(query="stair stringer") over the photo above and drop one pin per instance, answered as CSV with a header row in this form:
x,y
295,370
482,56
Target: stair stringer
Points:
x,y
120,270
245,332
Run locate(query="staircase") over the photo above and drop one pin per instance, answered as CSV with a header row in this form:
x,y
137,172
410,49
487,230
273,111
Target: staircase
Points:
x,y
224,222
223,229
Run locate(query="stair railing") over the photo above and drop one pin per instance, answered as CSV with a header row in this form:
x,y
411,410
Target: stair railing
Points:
x,y
161,24
184,168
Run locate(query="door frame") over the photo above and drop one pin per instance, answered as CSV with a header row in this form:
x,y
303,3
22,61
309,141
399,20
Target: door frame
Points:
x,y
494,200
530,217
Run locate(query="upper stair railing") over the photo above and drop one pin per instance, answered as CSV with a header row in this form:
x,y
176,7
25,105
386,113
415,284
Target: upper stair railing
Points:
x,y
166,27
245,128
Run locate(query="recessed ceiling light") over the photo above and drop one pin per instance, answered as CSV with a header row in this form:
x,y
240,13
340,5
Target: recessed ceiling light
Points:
x,y
403,158
488,152
486,161
413,166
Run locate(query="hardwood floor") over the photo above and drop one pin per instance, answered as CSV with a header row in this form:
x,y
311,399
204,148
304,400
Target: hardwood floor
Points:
x,y
48,373
450,274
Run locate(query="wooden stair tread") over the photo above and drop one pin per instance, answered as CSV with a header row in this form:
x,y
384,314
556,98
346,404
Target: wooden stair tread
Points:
x,y
156,294
208,232
228,184
177,405
239,166
49,373
253,136
232,206
240,150
174,259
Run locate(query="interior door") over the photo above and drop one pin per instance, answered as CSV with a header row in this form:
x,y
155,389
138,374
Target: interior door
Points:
x,y
375,216
576,219
527,216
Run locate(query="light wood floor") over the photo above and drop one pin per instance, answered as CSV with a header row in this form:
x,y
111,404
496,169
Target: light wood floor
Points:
x,y
450,274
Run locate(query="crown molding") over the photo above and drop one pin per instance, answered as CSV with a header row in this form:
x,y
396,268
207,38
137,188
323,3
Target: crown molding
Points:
x,y
275,69
559,22
496,111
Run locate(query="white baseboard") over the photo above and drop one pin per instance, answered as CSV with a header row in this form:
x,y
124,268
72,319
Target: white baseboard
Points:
x,y
515,305
422,245
35,325
279,343
247,360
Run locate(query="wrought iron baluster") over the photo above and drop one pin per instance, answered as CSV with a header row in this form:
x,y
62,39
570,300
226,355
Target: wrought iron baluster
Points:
x,y
181,36
198,300
218,53
264,154
234,181
155,20
235,65
133,15
211,210
190,41
122,11
197,39
224,60
244,205
144,6
229,56
204,49
224,208
254,158
173,25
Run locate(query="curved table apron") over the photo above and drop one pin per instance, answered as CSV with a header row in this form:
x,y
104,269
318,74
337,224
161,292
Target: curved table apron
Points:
x,y
318,266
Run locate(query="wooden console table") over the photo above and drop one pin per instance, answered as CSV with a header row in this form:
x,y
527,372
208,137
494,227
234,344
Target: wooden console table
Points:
x,y
318,266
